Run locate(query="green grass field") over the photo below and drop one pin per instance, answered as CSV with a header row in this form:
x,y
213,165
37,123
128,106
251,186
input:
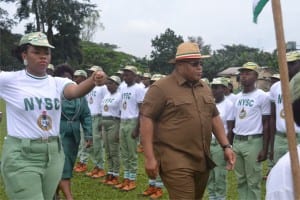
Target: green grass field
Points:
x,y
85,188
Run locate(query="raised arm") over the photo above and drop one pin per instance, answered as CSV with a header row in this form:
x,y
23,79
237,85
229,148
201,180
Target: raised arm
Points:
x,y
73,91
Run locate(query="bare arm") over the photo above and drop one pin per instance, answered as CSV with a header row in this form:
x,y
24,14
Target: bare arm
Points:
x,y
136,130
272,131
73,91
262,156
219,132
146,130
230,134
296,111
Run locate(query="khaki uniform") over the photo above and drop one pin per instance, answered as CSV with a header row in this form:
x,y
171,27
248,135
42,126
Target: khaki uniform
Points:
x,y
183,124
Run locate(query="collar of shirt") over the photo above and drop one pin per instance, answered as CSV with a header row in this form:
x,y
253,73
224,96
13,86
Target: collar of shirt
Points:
x,y
182,81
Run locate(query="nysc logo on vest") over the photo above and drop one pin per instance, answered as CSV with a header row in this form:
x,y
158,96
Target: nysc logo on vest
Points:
x,y
126,95
33,103
246,102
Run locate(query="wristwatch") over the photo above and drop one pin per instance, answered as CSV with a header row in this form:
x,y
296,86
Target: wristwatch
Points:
x,y
226,146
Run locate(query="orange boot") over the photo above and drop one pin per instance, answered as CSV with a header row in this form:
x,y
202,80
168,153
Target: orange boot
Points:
x,y
108,178
130,186
158,193
151,189
123,184
96,173
80,167
140,148
114,181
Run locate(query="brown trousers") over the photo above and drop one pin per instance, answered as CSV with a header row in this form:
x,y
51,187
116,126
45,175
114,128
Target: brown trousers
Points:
x,y
185,183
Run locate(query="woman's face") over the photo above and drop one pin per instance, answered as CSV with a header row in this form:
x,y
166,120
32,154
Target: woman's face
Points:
x,y
38,59
111,86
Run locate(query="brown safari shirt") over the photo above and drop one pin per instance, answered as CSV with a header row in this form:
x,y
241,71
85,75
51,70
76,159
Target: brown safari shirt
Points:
x,y
182,116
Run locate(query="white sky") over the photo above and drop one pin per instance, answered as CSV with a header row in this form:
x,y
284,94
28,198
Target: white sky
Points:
x,y
132,24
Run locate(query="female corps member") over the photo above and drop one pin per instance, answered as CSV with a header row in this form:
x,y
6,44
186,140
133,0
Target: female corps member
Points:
x,y
32,158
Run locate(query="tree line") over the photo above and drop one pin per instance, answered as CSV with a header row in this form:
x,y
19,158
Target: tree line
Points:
x,y
70,26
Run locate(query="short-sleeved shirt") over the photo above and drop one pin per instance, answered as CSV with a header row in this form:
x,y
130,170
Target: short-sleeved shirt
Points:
x,y
94,99
33,104
111,104
248,111
182,116
225,108
276,97
280,179
132,96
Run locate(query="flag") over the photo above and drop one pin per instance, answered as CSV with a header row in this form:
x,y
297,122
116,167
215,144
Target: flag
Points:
x,y
258,5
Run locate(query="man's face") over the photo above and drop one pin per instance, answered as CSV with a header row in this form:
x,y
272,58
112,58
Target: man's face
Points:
x,y
218,91
191,69
248,77
146,81
78,79
129,77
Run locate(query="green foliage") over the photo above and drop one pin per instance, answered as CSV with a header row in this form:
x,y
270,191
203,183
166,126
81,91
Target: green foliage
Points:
x,y
165,47
205,49
8,42
235,56
66,17
5,22
111,61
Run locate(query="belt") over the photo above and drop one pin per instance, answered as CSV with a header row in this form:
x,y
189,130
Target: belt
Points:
x,y
110,118
96,116
247,137
130,119
37,140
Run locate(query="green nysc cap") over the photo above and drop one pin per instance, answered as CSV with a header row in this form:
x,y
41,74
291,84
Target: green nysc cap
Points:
x,y
220,81
250,66
80,72
115,79
35,39
292,56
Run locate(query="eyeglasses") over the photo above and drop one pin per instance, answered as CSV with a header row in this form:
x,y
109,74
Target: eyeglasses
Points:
x,y
194,63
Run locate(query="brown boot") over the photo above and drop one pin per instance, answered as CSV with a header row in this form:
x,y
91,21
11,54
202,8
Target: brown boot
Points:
x,y
100,173
80,167
140,148
94,170
96,173
150,190
108,178
123,184
130,186
158,193
114,181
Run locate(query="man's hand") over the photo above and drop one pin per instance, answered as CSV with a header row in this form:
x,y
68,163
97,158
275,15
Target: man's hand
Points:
x,y
271,155
151,168
88,143
135,133
262,156
230,157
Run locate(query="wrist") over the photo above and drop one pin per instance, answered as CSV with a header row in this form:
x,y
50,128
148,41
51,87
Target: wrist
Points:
x,y
226,146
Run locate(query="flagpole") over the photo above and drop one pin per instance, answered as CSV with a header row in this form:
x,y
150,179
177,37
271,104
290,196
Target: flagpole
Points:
x,y
289,119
